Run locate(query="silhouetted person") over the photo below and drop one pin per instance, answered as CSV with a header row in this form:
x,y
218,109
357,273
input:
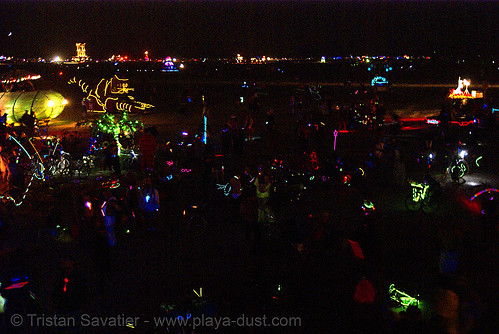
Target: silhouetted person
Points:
x,y
28,120
147,148
149,204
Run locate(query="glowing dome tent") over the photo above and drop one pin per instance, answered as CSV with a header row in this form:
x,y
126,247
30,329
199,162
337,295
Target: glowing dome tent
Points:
x,y
45,104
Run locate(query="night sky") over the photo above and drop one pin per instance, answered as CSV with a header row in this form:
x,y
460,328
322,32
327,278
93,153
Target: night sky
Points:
x,y
224,28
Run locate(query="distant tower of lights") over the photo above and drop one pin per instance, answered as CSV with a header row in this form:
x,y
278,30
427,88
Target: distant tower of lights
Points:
x,y
81,54
146,56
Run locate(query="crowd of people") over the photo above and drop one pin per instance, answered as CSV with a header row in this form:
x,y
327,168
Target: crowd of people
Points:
x,y
117,203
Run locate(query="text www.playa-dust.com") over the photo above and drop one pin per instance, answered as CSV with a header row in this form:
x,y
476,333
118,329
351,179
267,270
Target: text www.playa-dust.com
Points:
x,y
219,322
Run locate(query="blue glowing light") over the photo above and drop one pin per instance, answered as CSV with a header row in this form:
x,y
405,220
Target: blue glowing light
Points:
x,y
379,81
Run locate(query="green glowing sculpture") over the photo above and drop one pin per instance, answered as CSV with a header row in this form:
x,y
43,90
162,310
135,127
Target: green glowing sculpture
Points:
x,y
117,124
401,298
419,191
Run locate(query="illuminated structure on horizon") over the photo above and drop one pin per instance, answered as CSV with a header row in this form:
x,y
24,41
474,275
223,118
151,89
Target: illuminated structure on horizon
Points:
x,y
458,93
81,53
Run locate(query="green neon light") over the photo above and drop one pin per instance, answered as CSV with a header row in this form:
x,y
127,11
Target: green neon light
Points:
x,y
478,159
419,191
368,204
401,297
461,170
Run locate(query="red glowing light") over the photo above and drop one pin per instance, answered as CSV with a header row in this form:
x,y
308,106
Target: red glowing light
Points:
x,y
16,286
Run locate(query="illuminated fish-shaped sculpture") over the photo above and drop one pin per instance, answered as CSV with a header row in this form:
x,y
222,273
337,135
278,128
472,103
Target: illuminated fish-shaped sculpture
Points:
x,y
45,104
111,95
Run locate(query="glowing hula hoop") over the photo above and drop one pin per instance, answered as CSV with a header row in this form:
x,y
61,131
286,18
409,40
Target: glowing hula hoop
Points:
x,y
488,190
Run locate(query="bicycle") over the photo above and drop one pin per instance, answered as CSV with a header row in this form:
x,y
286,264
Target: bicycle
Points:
x,y
425,197
41,129
59,166
195,219
83,166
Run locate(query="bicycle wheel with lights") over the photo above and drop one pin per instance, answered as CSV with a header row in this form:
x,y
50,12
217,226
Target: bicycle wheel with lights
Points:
x,y
464,167
411,204
458,171
195,221
197,225
430,205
